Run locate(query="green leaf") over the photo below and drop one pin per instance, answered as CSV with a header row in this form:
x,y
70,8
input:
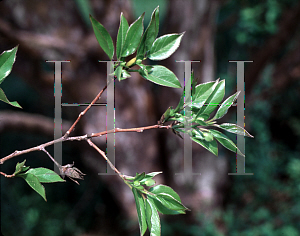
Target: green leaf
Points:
x,y
140,207
7,59
152,174
166,115
20,167
233,128
103,38
226,105
149,35
118,72
133,37
214,99
4,99
153,220
202,93
165,46
210,146
139,177
123,28
45,175
162,76
34,183
125,75
225,141
167,197
181,102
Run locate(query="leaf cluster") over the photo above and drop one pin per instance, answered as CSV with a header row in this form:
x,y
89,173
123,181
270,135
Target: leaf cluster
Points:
x,y
133,39
160,198
206,98
35,176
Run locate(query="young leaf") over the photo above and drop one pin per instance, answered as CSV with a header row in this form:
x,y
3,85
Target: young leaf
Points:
x,y
165,46
153,220
233,128
45,175
121,35
125,75
202,92
162,76
118,72
149,35
210,146
133,37
214,99
7,59
226,105
225,141
140,207
20,167
34,183
103,38
4,99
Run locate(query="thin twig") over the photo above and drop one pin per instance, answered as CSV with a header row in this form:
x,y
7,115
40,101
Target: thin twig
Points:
x,y
80,138
105,157
83,113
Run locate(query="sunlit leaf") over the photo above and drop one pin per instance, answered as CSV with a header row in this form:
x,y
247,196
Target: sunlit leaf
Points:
x,y
162,76
165,46
7,59
225,106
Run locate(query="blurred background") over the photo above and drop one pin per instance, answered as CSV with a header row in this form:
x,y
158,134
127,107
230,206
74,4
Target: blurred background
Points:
x,y
217,31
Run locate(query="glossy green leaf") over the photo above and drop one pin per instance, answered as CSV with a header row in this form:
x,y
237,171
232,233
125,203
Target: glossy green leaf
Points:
x,y
226,105
20,167
165,46
214,99
34,183
123,28
153,220
197,133
149,35
45,175
152,174
202,93
170,202
140,207
139,177
118,72
162,76
4,99
103,38
133,37
163,209
233,128
202,116
7,59
210,146
225,141
125,75
150,182
168,197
